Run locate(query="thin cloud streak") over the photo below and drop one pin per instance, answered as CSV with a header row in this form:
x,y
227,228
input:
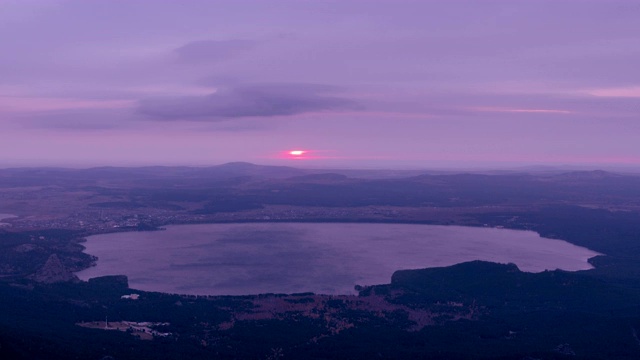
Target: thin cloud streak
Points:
x,y
624,92
38,104
212,50
531,111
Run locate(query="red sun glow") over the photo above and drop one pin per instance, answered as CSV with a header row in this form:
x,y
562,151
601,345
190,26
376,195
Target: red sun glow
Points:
x,y
297,152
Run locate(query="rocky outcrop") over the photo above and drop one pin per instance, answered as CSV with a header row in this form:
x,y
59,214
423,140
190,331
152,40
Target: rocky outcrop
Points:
x,y
54,271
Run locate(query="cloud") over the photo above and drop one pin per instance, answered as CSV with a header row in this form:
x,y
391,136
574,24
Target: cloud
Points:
x,y
212,50
247,101
79,119
525,111
625,92
37,104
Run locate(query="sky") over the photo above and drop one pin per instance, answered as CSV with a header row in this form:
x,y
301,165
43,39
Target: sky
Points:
x,y
349,83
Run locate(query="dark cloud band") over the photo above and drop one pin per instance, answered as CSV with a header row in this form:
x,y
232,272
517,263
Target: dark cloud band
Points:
x,y
247,101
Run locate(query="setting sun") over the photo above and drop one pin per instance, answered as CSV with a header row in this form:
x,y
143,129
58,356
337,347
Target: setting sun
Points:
x,y
297,152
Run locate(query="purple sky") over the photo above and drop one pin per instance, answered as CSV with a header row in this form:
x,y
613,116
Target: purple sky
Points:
x,y
357,83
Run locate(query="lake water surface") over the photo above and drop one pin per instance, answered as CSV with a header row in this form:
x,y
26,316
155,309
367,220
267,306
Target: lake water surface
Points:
x,y
329,258
5,216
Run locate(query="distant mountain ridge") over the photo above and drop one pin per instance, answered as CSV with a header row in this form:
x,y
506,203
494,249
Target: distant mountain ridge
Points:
x,y
276,171
248,175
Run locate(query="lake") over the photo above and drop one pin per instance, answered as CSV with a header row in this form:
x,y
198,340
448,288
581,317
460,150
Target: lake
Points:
x,y
329,258
5,216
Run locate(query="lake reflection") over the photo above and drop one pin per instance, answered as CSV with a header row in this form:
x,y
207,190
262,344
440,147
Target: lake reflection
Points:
x,y
330,258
